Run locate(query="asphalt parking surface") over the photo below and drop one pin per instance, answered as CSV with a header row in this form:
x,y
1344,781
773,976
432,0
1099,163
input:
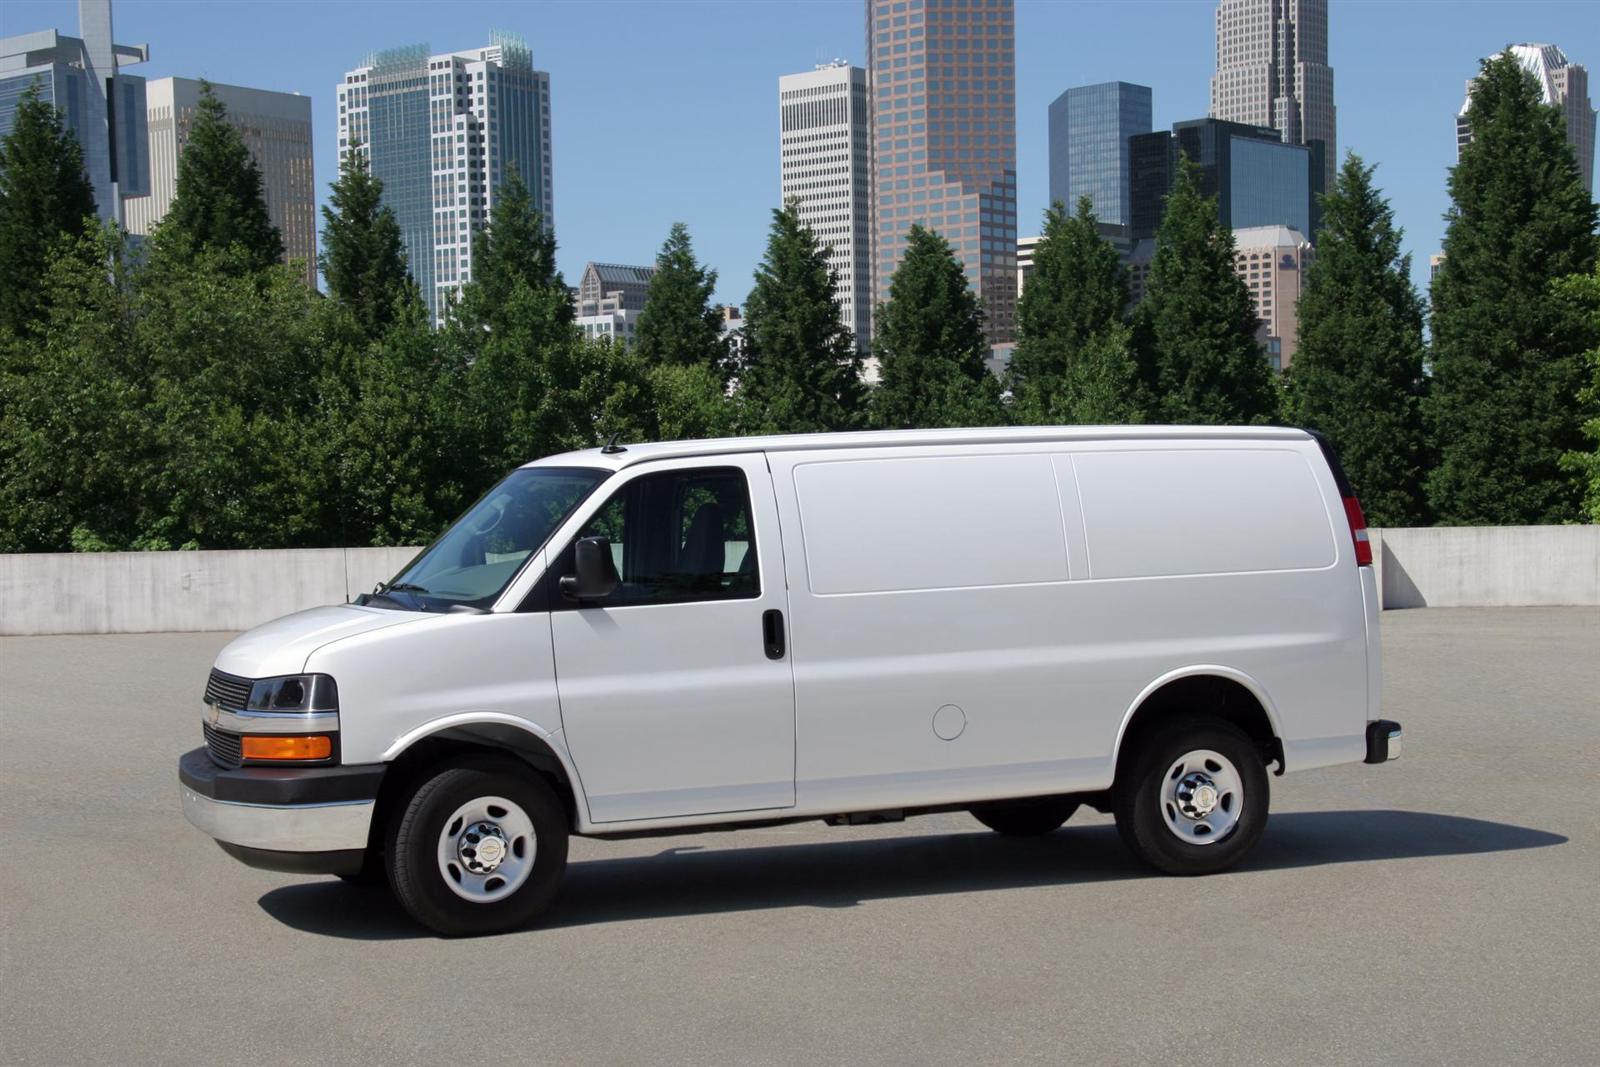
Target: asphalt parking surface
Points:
x,y
1444,909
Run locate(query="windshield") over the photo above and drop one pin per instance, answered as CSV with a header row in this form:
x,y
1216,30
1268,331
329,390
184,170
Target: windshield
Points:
x,y
476,558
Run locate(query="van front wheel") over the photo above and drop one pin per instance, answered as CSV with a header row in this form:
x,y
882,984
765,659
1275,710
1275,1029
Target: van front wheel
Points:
x,y
1194,799
479,848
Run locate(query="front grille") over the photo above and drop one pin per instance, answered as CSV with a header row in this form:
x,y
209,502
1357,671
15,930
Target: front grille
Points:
x,y
228,690
224,748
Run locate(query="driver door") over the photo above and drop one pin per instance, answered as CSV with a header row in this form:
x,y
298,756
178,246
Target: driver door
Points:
x,y
676,692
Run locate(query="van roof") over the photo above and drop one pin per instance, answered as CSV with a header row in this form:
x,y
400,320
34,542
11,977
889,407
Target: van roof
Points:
x,y
630,454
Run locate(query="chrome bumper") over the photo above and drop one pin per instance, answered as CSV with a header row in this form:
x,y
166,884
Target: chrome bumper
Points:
x,y
331,827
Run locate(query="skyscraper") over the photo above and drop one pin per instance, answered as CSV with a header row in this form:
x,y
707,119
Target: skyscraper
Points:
x,y
1272,70
1256,178
944,140
1562,83
276,127
1089,130
103,107
443,133
827,169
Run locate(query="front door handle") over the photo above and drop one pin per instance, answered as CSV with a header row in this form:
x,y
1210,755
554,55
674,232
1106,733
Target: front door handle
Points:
x,y
772,633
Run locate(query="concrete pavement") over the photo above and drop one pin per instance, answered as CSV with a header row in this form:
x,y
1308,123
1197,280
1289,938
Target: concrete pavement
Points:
x,y
1439,910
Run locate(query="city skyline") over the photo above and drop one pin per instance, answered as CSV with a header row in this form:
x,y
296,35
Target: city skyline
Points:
x,y
673,121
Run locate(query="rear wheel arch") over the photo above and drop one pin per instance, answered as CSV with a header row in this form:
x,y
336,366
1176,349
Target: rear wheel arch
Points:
x,y
1208,691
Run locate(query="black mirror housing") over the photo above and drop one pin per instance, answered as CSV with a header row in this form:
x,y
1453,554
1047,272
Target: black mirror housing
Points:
x,y
596,576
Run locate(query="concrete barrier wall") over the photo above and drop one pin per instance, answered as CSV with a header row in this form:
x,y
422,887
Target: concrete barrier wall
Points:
x,y
141,592
1488,566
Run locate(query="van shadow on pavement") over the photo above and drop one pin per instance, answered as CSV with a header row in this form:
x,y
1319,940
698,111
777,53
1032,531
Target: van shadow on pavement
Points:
x,y
840,874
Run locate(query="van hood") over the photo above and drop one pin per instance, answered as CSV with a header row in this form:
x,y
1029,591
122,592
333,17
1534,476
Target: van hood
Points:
x,y
282,646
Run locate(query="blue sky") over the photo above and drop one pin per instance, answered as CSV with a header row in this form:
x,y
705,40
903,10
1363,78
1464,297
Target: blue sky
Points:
x,y
666,110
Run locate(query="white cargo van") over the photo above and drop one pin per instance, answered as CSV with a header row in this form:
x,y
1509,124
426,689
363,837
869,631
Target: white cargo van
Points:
x,y
850,627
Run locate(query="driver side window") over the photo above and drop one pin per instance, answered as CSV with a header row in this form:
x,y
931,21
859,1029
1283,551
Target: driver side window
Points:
x,y
677,537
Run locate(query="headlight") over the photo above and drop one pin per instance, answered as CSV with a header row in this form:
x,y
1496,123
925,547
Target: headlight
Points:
x,y
295,692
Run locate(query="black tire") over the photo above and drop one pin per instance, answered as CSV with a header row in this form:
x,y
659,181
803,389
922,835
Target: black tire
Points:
x,y
1030,817
414,836
1138,804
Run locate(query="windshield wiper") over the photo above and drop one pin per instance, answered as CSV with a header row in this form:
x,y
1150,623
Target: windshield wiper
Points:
x,y
403,587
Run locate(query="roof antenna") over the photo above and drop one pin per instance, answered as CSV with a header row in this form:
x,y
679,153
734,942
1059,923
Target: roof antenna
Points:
x,y
612,448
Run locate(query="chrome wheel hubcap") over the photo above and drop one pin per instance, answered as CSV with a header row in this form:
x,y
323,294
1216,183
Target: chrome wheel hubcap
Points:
x,y
486,849
1202,795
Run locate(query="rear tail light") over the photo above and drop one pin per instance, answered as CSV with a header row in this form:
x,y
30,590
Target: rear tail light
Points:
x,y
1358,531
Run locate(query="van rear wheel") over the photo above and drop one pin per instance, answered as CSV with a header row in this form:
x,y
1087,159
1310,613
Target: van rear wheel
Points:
x,y
1025,818
478,848
1194,799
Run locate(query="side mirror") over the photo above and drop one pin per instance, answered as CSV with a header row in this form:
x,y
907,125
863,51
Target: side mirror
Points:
x,y
597,572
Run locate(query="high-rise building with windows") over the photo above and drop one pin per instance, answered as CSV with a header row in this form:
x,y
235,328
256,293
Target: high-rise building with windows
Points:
x,y
1272,70
944,140
1089,130
443,132
826,169
82,76
1257,179
1561,83
276,127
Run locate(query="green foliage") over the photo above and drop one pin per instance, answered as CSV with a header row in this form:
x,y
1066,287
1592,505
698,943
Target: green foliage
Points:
x,y
1357,374
1507,351
800,373
679,325
1202,364
1074,361
1582,293
44,196
930,345
219,202
74,439
363,259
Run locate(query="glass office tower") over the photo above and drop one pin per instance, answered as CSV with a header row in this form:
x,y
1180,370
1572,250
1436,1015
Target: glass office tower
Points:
x,y
944,140
1257,178
1089,130
442,132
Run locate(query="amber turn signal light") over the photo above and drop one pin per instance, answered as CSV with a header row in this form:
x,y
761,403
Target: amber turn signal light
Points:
x,y
300,747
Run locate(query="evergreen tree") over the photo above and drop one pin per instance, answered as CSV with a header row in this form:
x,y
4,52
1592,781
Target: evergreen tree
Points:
x,y
44,195
930,345
1507,351
800,372
679,325
1203,363
1357,372
1074,305
219,202
1583,293
363,259
531,384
